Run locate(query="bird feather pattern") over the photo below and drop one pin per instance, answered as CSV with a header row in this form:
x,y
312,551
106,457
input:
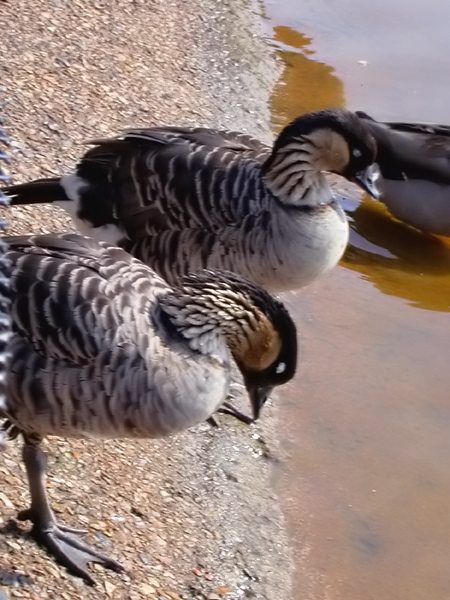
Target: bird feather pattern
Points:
x,y
103,346
183,199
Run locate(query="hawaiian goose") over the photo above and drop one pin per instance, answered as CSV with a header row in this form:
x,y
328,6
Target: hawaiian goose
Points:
x,y
415,162
184,199
103,347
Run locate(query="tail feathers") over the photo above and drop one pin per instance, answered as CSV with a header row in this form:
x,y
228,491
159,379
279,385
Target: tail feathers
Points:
x,y
41,191
97,161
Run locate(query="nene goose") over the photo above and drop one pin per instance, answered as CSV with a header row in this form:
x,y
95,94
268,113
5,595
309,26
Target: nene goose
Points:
x,y
415,163
184,199
102,346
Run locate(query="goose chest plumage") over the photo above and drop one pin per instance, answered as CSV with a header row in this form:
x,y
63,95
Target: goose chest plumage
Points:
x,y
183,199
414,160
103,347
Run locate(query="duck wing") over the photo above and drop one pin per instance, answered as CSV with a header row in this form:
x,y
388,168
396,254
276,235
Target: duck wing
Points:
x,y
412,150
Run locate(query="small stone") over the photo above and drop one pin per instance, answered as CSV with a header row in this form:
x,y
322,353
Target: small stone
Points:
x,y
6,501
157,539
109,588
169,595
13,545
197,572
147,590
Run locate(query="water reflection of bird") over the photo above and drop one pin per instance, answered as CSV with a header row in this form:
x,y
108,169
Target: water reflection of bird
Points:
x,y
103,347
415,162
306,84
185,199
398,260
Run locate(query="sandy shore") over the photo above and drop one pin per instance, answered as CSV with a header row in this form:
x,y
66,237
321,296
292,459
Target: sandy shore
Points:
x,y
194,516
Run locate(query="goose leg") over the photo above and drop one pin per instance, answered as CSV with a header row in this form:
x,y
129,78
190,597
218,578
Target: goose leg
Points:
x,y
229,409
72,553
213,421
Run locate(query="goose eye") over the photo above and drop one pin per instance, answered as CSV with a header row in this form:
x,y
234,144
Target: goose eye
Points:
x,y
356,152
280,368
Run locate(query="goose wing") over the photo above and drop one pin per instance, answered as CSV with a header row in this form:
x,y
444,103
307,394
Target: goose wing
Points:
x,y
239,142
179,178
72,296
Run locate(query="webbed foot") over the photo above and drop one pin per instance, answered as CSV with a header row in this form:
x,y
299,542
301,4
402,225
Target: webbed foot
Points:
x,y
68,550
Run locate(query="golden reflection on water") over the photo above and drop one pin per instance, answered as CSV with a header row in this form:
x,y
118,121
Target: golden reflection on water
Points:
x,y
399,260
306,84
366,425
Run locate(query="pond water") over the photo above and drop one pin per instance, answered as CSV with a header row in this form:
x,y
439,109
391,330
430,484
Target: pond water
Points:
x,y
366,424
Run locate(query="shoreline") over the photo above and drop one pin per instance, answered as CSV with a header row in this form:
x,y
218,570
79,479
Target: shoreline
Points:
x,y
194,516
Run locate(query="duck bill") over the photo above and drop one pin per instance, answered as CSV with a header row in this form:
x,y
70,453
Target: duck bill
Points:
x,y
369,180
258,397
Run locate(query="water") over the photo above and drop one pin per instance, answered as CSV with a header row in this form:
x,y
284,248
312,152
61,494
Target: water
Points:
x,y
367,422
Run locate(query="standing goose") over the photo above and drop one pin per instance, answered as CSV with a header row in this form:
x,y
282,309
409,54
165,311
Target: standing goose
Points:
x,y
414,160
184,199
103,347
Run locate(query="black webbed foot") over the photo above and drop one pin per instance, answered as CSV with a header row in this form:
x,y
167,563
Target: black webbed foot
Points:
x,y
68,550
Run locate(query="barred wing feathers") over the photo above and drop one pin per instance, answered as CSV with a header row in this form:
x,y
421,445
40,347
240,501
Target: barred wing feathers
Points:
x,y
76,322
178,179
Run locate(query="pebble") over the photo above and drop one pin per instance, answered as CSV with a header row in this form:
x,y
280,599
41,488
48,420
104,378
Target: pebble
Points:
x,y
109,588
168,595
6,501
147,590
222,590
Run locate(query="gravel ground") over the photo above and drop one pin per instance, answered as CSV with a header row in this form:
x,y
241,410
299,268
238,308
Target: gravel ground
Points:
x,y
193,516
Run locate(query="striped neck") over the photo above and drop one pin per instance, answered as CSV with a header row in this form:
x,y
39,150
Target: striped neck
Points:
x,y
290,176
220,312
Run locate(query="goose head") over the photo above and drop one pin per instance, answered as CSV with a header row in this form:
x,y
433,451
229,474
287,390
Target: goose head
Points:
x,y
257,328
264,345
332,140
